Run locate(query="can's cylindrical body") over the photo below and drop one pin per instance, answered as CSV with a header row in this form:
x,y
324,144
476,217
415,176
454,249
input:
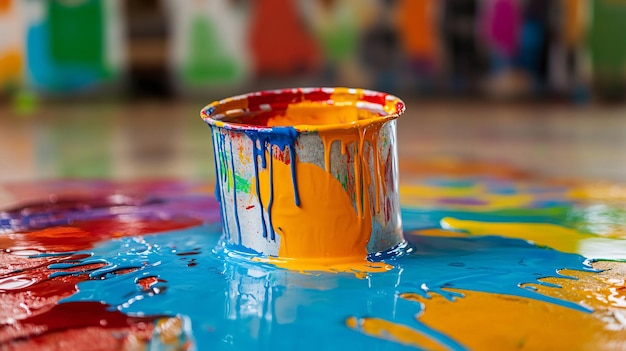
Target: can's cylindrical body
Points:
x,y
308,173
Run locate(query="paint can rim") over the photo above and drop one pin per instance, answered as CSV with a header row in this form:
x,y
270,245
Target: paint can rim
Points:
x,y
214,112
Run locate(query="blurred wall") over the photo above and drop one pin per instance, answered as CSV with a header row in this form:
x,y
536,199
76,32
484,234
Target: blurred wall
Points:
x,y
570,49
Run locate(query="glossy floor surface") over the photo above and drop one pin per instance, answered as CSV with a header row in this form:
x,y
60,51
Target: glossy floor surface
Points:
x,y
515,220
157,139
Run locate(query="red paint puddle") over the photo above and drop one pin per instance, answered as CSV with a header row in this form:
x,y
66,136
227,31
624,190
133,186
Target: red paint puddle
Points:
x,y
30,314
33,311
84,234
71,316
41,296
30,299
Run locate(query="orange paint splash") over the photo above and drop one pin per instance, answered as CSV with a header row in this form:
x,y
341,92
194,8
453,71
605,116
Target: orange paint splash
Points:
x,y
324,225
505,315
360,267
399,333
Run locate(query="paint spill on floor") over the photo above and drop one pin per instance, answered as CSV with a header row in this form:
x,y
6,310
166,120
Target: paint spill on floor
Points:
x,y
496,260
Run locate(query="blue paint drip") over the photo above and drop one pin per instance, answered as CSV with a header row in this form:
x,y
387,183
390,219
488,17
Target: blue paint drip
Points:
x,y
283,138
218,152
217,191
271,200
243,304
232,164
258,189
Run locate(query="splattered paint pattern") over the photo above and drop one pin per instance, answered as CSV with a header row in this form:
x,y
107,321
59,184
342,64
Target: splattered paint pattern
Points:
x,y
495,259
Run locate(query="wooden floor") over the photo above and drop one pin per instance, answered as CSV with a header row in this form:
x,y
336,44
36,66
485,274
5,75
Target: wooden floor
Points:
x,y
154,139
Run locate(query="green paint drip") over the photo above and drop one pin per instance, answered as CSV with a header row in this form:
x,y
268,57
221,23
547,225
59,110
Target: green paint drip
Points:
x,y
230,176
343,179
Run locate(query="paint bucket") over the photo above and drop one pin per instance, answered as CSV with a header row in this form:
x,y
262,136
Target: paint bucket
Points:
x,y
308,172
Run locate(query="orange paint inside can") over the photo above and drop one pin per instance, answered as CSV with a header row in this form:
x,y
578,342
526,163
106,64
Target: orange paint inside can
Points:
x,y
306,115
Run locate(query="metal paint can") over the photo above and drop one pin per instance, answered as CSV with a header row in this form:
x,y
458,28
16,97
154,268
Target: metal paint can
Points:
x,y
308,172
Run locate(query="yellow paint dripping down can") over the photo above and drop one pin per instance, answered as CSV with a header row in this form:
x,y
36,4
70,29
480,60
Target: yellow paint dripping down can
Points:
x,y
308,173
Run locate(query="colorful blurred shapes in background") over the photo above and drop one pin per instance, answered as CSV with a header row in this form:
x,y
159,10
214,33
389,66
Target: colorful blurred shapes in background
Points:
x,y
207,43
71,45
512,174
501,48
11,50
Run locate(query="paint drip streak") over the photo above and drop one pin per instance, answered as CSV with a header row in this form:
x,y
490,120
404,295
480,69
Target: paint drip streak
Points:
x,y
258,189
217,151
232,164
271,200
292,156
327,149
282,138
358,182
224,174
365,179
378,181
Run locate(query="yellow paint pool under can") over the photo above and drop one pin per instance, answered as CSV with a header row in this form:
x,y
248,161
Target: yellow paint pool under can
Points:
x,y
308,173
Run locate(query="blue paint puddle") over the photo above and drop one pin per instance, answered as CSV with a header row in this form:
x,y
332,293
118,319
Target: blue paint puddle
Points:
x,y
233,303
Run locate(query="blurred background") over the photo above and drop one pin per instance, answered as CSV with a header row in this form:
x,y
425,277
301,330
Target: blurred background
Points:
x,y
112,88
